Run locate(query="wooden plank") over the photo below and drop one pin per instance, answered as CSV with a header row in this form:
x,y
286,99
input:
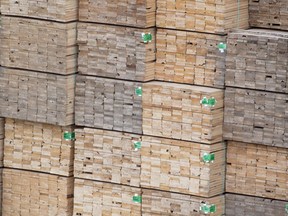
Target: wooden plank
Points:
x,y
33,194
257,170
121,12
38,147
268,14
212,16
256,117
116,52
189,57
108,104
257,59
98,198
174,111
2,121
58,10
38,45
242,205
38,97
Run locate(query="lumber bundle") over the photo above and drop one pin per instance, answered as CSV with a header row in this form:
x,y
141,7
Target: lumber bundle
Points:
x,y
204,16
38,45
38,147
107,156
108,104
242,205
268,14
120,12
33,194
165,203
58,10
256,117
257,170
116,52
257,59
183,112
189,57
98,198
38,97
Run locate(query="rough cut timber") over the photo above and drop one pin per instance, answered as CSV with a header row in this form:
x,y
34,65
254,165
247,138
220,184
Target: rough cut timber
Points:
x,y
257,170
116,52
179,166
1,145
38,45
2,123
121,12
257,59
1,189
174,111
268,14
203,16
1,152
38,147
33,194
256,117
165,203
107,156
108,104
98,198
242,205
58,10
38,97
189,57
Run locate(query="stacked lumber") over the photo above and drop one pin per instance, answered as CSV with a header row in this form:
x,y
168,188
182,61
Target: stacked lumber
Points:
x,y
257,170
190,57
185,112
242,205
38,45
204,16
35,96
121,12
268,14
257,59
108,104
38,147
58,10
256,116
28,193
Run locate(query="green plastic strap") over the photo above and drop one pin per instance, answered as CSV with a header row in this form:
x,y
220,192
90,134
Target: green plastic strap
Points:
x,y
207,209
208,158
138,91
286,208
137,198
137,145
222,47
146,37
69,135
208,102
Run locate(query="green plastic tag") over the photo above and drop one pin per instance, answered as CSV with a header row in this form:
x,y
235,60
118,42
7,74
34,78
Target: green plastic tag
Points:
x,y
286,208
146,37
137,198
137,145
206,208
208,158
222,47
69,135
138,91
208,102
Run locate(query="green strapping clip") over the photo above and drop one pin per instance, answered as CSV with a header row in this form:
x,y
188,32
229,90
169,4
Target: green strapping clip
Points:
x,y
208,158
207,209
69,135
137,145
137,198
146,37
138,91
286,208
208,102
222,47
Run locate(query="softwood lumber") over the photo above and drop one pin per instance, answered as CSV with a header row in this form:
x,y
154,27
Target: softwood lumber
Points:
x,y
121,12
32,194
38,45
203,16
257,59
268,14
108,104
190,57
38,147
98,198
257,170
256,117
242,205
58,10
38,97
175,111
116,52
